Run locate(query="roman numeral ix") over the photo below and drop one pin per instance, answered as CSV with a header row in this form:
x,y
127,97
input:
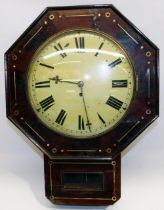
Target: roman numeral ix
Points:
x,y
114,102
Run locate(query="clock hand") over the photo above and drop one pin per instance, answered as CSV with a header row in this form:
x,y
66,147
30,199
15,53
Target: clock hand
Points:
x,y
57,79
81,84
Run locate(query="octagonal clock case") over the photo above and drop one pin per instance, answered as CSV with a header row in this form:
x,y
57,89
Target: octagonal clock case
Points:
x,y
82,84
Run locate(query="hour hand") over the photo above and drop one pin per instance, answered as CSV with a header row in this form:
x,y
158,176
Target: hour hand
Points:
x,y
57,79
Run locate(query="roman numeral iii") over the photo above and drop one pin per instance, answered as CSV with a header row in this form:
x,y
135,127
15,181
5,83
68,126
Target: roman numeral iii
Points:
x,y
47,103
119,83
114,102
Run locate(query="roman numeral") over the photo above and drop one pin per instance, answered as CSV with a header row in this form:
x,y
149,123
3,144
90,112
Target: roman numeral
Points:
x,y
101,119
79,42
47,66
115,63
47,103
60,48
81,125
101,45
119,83
43,84
114,102
61,117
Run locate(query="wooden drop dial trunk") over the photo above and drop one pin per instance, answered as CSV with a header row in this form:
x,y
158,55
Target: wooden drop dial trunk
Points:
x,y
82,84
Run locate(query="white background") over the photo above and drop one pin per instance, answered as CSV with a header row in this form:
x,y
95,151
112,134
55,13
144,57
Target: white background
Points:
x,y
21,164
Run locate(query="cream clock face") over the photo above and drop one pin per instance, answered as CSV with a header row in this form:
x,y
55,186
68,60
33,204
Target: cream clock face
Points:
x,y
80,83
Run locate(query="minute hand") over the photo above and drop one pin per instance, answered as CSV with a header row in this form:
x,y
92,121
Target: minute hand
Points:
x,y
81,84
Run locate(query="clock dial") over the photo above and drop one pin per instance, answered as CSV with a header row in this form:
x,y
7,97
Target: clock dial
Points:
x,y
80,83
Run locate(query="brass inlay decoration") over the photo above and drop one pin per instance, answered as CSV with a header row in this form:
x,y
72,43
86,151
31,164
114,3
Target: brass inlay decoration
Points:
x,y
50,162
114,177
148,112
54,150
148,54
14,57
128,34
15,87
51,184
32,36
106,199
16,112
113,163
107,14
80,15
81,150
138,122
136,83
34,131
114,198
148,80
108,150
51,17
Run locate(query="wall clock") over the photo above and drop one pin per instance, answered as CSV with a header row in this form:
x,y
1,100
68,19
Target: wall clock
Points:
x,y
82,84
